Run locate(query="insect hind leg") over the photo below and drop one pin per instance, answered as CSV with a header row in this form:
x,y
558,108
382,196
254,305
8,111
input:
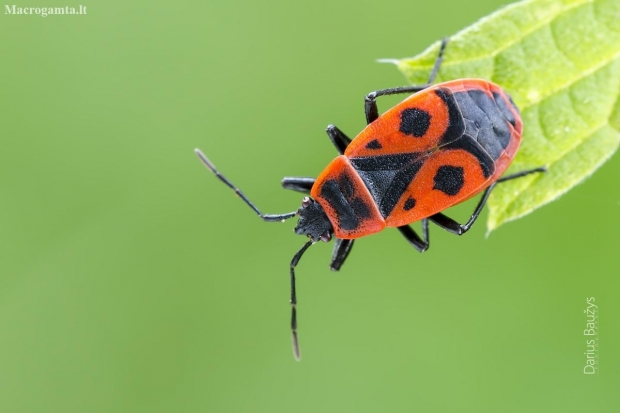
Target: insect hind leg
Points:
x,y
370,104
454,227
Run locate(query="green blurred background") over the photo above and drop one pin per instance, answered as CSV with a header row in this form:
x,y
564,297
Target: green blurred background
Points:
x,y
132,281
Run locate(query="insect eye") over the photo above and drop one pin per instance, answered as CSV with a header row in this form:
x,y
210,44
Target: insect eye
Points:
x,y
305,202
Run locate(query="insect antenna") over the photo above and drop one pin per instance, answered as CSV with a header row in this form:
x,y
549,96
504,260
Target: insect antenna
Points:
x,y
294,262
264,217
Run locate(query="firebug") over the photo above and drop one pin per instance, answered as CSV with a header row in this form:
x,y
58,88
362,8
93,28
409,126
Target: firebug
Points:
x,y
439,147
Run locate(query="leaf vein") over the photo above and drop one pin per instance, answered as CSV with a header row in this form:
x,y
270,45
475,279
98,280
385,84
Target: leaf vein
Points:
x,y
583,74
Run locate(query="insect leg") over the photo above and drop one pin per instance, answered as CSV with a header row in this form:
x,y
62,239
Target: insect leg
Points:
x,y
454,227
420,244
294,263
370,104
342,248
438,61
339,139
264,217
520,174
299,184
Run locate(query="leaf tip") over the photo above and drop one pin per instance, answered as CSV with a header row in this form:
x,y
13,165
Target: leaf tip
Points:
x,y
389,61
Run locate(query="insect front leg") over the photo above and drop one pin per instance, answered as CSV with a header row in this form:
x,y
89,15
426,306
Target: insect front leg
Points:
x,y
342,248
339,139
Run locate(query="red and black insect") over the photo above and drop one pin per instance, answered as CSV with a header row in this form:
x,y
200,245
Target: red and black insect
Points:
x,y
441,146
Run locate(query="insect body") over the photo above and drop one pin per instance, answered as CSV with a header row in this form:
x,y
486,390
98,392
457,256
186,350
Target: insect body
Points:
x,y
435,149
441,146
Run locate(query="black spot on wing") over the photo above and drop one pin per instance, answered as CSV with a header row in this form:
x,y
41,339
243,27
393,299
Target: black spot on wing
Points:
x,y
409,204
456,126
414,122
374,144
449,179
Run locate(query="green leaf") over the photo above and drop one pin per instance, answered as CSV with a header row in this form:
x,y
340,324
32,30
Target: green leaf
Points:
x,y
560,61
